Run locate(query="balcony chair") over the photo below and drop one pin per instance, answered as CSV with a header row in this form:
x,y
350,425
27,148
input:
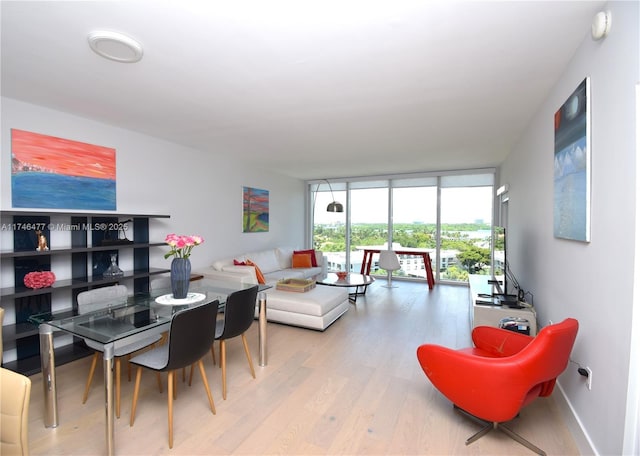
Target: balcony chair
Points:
x,y
96,299
389,262
502,373
190,338
239,313
15,395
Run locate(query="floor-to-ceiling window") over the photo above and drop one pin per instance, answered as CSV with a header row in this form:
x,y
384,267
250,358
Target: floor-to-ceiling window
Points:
x,y
369,216
466,206
414,222
448,216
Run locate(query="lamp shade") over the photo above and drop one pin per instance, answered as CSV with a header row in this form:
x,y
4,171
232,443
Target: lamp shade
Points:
x,y
335,207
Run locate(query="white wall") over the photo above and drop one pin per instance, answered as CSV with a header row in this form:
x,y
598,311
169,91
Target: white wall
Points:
x,y
201,191
594,281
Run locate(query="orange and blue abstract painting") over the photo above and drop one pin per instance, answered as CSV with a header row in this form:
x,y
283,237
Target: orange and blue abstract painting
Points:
x,y
255,210
57,173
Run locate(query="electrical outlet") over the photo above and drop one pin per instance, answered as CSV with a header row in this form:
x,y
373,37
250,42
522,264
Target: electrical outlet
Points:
x,y
589,377
550,322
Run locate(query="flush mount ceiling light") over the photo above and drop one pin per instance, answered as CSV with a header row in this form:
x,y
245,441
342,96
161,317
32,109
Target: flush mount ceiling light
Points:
x,y
115,46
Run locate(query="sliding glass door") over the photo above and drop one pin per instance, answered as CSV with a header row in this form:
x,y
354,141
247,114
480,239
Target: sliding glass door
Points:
x,y
369,204
414,222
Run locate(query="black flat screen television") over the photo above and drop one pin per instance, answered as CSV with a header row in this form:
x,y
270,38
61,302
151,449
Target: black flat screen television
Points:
x,y
501,266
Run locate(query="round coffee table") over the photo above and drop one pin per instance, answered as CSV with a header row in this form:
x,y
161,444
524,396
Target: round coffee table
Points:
x,y
358,281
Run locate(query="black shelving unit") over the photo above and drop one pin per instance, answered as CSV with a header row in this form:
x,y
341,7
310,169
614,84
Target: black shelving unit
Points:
x,y
93,237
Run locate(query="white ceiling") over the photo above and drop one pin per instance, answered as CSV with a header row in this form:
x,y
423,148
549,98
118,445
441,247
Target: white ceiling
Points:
x,y
311,88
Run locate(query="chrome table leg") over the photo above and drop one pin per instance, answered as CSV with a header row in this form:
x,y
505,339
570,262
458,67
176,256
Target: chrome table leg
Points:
x,y
262,329
108,399
48,363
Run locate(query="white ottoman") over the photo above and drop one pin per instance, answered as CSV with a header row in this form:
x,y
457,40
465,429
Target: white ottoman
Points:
x,y
314,309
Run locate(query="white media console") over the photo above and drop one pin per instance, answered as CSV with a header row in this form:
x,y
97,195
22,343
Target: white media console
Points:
x,y
490,315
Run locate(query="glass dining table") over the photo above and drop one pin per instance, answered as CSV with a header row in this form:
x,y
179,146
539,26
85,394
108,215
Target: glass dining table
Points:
x,y
120,324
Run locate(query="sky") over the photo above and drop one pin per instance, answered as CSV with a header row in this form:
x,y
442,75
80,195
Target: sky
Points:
x,y
459,205
63,156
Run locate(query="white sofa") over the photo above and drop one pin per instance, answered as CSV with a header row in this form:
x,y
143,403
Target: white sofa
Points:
x,y
314,309
275,264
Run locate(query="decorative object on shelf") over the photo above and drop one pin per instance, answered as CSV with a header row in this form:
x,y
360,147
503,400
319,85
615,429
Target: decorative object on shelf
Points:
x,y
113,270
255,210
42,241
39,279
120,228
181,247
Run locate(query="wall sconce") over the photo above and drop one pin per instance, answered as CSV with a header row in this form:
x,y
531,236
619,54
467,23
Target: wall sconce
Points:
x,y
334,206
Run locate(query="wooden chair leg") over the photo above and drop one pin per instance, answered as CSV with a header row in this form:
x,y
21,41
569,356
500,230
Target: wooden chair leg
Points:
x,y
128,368
248,353
223,365
175,385
206,386
213,354
191,374
159,378
92,369
136,390
171,385
118,365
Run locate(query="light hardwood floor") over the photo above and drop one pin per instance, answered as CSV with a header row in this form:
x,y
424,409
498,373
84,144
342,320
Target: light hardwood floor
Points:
x,y
356,388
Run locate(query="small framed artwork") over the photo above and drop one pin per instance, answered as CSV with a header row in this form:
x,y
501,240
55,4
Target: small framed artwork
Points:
x,y
56,173
255,210
572,167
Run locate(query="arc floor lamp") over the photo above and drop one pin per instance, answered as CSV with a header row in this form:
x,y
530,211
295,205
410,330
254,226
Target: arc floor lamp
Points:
x,y
334,206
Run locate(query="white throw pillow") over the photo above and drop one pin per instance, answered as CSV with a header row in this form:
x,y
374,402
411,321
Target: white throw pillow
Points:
x,y
220,264
267,260
284,256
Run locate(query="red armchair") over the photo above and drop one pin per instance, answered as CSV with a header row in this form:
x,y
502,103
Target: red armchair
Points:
x,y
502,373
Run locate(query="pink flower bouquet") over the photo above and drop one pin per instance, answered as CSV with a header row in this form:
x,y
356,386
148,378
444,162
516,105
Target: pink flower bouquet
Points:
x,y
181,246
39,279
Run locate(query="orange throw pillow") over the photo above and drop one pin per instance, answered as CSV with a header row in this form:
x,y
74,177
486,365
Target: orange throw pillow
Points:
x,y
314,262
301,260
259,274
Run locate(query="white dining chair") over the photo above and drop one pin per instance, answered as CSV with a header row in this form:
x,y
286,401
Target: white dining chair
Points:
x,y
96,299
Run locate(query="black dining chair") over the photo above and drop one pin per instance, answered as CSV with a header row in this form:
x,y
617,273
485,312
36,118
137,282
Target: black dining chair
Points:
x,y
239,313
190,338
96,299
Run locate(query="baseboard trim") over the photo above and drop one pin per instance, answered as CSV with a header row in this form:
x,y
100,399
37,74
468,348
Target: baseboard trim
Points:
x,y
576,428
